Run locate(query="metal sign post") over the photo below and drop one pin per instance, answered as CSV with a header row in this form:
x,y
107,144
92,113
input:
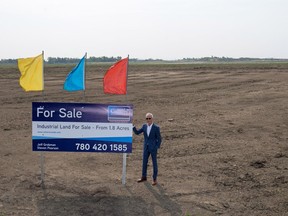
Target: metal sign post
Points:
x,y
42,160
124,168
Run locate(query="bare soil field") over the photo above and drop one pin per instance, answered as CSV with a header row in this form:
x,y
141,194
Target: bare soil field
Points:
x,y
224,150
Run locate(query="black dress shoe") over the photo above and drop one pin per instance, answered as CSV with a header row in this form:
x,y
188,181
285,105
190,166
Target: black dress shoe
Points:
x,y
142,179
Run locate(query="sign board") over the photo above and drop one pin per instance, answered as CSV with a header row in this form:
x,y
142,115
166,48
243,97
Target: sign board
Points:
x,y
82,127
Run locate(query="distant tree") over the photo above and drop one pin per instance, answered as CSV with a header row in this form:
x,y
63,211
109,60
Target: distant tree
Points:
x,y
8,61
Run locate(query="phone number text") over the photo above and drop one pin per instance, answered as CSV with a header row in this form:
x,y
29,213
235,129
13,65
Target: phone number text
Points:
x,y
101,147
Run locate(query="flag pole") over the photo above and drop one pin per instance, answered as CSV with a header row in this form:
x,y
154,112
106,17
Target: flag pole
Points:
x,y
125,154
43,69
43,74
42,158
84,78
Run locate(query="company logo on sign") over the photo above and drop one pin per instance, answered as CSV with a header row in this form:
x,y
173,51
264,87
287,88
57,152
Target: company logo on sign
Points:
x,y
119,113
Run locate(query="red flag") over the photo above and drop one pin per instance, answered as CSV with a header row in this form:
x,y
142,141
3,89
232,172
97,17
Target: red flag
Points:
x,y
115,79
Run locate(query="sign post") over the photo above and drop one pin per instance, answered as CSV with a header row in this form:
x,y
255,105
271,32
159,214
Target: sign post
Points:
x,y
124,168
42,167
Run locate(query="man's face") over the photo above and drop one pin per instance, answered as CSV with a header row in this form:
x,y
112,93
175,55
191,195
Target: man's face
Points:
x,y
149,119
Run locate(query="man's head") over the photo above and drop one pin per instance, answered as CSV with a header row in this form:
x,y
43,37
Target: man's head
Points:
x,y
149,118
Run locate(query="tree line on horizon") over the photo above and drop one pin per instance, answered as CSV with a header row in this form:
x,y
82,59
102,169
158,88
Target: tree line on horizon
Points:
x,y
66,60
92,59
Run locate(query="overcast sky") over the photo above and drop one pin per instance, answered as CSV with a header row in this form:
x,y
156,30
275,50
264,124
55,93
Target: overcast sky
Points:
x,y
165,29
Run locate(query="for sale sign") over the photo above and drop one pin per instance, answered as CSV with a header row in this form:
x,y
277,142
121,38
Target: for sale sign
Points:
x,y
82,127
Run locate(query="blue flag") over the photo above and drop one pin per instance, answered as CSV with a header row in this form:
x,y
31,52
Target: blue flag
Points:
x,y
75,79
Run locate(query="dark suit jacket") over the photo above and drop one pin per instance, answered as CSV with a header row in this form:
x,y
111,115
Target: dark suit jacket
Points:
x,y
153,141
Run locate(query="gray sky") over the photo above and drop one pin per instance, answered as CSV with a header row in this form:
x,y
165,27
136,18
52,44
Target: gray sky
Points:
x,y
166,29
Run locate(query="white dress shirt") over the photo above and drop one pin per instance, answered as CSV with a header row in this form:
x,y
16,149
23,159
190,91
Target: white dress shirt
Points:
x,y
149,129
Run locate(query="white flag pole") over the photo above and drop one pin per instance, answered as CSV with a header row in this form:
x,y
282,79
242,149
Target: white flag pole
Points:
x,y
84,78
42,158
125,154
43,75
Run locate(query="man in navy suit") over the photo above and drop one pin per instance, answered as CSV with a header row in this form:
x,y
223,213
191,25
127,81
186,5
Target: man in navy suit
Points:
x,y
152,141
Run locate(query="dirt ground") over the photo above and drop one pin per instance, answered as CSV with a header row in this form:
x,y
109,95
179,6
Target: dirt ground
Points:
x,y
224,150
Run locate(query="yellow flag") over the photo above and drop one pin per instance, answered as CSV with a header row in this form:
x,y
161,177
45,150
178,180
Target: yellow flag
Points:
x,y
31,70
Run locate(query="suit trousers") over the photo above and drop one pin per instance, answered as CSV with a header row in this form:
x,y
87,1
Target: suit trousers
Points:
x,y
146,155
